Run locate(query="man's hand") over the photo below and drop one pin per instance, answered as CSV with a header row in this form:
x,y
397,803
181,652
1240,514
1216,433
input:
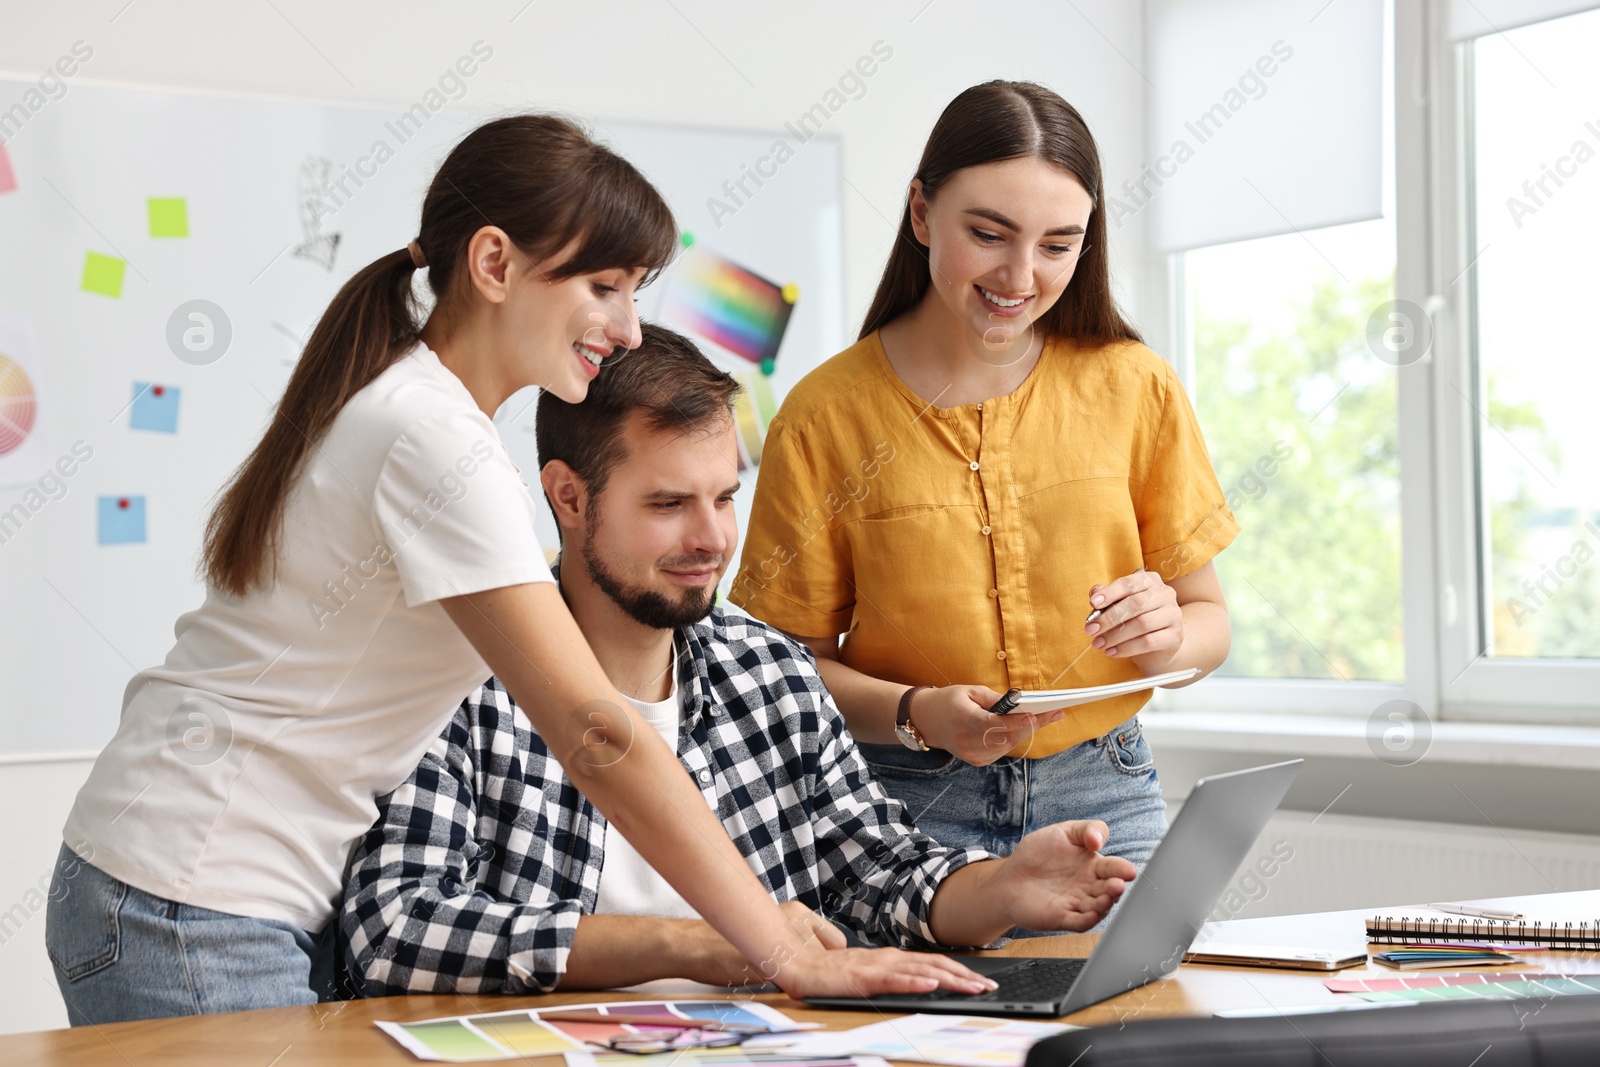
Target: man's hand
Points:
x,y
956,718
1056,878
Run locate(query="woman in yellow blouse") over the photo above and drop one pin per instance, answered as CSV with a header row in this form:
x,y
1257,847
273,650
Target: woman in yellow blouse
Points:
x,y
995,458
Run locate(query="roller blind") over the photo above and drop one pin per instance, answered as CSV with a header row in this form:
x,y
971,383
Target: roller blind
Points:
x,y
1479,18
1264,117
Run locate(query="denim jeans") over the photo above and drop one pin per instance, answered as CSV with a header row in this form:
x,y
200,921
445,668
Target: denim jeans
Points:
x,y
122,954
1111,778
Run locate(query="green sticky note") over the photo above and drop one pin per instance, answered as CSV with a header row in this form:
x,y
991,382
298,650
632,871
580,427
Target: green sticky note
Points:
x,y
169,217
103,274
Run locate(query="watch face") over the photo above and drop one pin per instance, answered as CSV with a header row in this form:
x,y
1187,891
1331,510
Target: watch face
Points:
x,y
910,738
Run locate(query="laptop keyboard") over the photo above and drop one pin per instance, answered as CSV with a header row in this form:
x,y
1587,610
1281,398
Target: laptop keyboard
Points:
x,y
1027,980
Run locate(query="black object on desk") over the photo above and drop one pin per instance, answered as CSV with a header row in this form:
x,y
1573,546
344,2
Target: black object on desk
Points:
x,y
1547,1032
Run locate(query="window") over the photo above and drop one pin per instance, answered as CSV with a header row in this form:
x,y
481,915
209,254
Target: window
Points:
x,y
1405,413
1300,418
1534,207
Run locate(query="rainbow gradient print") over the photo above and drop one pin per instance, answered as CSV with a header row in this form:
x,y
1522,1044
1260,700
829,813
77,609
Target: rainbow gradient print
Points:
x,y
723,302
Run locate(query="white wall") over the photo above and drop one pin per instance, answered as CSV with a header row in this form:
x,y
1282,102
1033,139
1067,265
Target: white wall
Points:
x,y
687,62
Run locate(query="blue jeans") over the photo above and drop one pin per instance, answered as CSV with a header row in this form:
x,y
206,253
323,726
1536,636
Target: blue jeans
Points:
x,y
1111,778
122,954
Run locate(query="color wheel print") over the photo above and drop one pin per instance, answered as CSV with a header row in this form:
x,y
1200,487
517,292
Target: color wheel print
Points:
x,y
18,405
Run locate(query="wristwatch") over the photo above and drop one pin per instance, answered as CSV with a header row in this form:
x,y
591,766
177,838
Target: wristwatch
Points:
x,y
904,729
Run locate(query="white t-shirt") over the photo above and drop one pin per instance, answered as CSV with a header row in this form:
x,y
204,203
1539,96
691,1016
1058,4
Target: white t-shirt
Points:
x,y
245,767
629,885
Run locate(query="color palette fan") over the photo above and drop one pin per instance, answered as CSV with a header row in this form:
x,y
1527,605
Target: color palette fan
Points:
x,y
18,405
733,307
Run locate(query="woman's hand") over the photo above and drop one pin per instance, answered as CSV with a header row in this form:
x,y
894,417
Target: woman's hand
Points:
x,y
956,718
1056,878
709,958
822,966
1139,619
870,972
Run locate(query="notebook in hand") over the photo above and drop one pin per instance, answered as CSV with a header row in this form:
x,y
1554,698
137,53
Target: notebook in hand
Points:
x,y
1039,700
1552,920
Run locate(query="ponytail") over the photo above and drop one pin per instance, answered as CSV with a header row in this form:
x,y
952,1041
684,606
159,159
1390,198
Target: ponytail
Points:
x,y
539,178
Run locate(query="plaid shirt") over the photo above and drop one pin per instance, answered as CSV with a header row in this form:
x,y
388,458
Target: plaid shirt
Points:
x,y
480,864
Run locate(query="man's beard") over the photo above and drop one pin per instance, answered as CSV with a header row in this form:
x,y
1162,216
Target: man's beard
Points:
x,y
645,606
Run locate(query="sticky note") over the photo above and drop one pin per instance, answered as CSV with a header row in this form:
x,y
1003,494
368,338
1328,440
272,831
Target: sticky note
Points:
x,y
155,407
121,520
8,177
169,217
103,274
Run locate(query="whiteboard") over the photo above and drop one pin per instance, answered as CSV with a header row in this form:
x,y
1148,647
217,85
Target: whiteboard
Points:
x,y
78,617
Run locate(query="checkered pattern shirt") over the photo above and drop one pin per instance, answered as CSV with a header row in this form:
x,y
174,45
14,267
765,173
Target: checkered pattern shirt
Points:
x,y
479,866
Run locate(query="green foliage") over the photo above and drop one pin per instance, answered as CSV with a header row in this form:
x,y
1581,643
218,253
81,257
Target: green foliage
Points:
x,y
1313,579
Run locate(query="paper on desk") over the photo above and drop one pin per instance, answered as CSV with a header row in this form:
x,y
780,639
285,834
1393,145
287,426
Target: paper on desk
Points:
x,y
738,1056
949,1040
1038,700
507,1035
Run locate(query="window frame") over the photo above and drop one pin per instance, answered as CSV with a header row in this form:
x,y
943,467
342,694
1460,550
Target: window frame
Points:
x,y
1444,528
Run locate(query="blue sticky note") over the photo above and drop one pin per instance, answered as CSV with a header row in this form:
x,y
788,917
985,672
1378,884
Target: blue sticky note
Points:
x,y
122,520
155,407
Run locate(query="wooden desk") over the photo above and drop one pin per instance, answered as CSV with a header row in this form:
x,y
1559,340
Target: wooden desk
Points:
x,y
342,1033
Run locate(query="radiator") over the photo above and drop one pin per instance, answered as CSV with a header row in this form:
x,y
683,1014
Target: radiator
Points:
x,y
1303,862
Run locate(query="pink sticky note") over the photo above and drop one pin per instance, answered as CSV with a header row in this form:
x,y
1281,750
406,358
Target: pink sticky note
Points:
x,y
8,180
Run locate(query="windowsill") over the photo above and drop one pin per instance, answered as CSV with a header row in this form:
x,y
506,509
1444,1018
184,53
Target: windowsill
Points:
x,y
1493,744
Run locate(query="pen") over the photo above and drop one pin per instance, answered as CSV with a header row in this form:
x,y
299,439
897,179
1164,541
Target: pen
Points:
x,y
1477,913
1095,614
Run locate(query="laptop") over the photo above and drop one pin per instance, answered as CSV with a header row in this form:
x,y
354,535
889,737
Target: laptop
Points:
x,y
1160,916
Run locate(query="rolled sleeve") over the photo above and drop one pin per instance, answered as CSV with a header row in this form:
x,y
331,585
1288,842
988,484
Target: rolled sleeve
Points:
x,y
455,513
795,570
877,872
1184,519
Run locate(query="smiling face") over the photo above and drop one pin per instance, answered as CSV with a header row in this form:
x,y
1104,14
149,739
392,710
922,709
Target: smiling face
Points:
x,y
561,329
1003,240
661,533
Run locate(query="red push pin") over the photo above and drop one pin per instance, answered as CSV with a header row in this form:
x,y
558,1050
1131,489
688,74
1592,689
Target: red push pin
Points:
x,y
123,503
159,389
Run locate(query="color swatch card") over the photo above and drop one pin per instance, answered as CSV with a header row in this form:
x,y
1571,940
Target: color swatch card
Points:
x,y
508,1035
121,520
729,305
155,407
8,177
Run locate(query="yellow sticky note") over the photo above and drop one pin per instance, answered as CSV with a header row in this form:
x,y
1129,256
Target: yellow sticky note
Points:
x,y
169,217
103,274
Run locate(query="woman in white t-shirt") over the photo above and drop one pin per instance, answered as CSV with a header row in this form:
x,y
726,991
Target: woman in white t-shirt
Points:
x,y
368,565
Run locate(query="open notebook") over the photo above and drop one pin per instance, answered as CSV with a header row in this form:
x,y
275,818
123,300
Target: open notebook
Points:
x,y
1554,920
1036,700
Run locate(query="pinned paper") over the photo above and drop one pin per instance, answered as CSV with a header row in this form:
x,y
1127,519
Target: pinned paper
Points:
x,y
103,274
169,217
8,177
729,305
121,520
155,407
753,410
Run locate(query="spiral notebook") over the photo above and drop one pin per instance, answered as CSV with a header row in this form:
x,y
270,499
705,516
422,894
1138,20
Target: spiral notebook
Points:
x,y
1553,920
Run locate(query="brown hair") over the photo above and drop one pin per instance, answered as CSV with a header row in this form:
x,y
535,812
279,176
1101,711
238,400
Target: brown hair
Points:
x,y
990,123
666,377
541,179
